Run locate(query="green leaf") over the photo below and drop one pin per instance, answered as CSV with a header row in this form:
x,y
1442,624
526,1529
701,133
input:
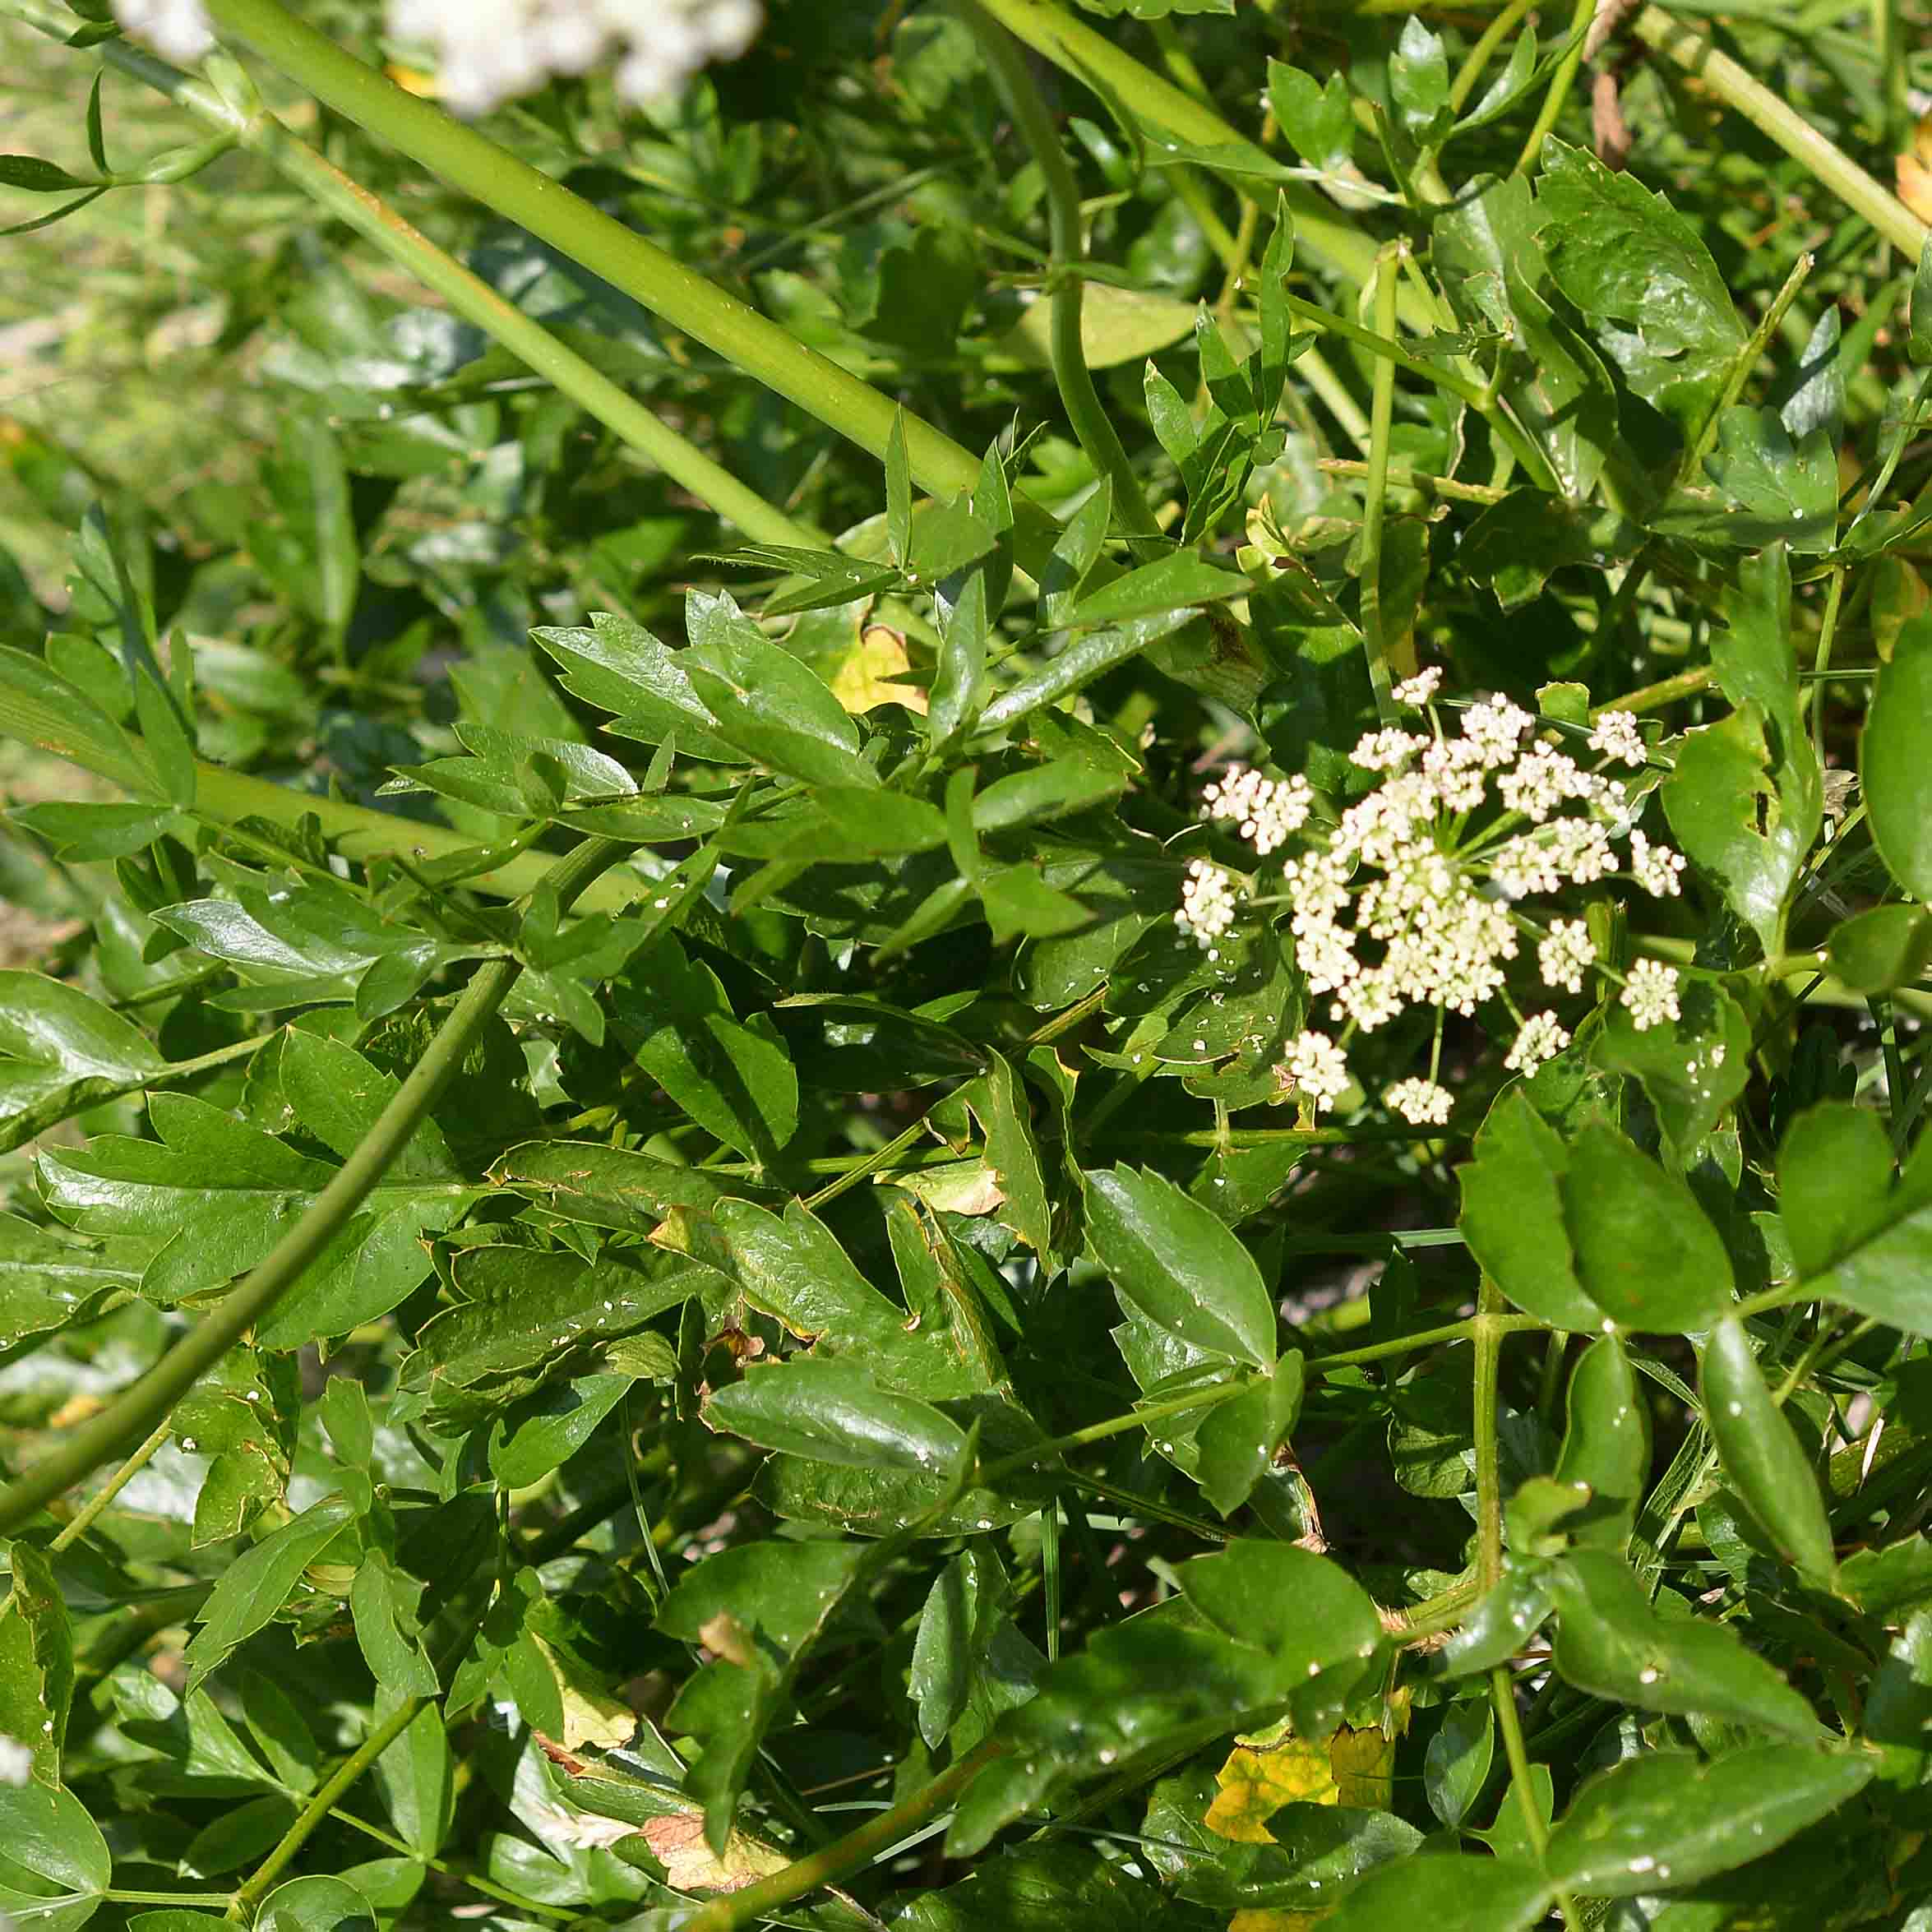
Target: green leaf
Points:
x,y
771,707
242,1835
417,1776
1766,1465
1447,1891
1455,1767
1605,1445
969,1662
1238,1439
35,177
1639,272
1611,1643
1318,119
383,1602
1419,81
733,1077
954,701
834,1410
1668,1819
317,1904
1052,1887
1175,1261
1895,758
1774,487
1014,1155
60,1053
1175,583
544,1429
1512,1214
48,1279
49,1838
1645,1253
36,1663
1887,947
252,1591
619,666
1866,1243
1693,1067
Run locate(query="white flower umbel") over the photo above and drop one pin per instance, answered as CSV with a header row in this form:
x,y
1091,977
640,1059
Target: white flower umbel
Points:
x,y
1207,904
1421,1102
1650,994
1616,737
488,52
1414,693
1566,954
1541,1038
1317,1066
1265,811
1655,868
178,31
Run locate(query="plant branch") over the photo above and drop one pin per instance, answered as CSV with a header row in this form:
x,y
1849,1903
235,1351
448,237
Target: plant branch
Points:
x,y
1695,52
138,1408
1375,497
247,124
1091,425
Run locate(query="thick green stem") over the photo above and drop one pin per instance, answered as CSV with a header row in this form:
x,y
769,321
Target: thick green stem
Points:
x,y
245,124
855,1848
1091,424
1694,51
472,162
1381,419
138,1408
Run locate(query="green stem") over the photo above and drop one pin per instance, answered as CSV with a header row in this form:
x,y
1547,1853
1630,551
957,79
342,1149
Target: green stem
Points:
x,y
1091,425
1488,1481
1696,52
1381,419
1142,1418
246,124
738,1909
1739,372
1509,1722
462,1876
1477,1326
1666,690
83,1518
1492,36
1821,659
470,161
325,1800
1091,58
137,1409
1383,344
1560,83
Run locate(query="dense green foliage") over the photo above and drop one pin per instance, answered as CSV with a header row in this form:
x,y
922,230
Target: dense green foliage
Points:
x,y
695,1233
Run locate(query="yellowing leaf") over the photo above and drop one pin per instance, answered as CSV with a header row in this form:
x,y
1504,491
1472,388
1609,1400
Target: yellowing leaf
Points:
x,y
865,679
589,1718
1256,1783
1364,1763
954,1187
689,1865
1915,173
1266,1919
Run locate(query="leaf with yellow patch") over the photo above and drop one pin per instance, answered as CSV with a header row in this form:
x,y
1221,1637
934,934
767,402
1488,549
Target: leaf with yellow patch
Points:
x,y
867,676
1256,1781
1266,1919
677,1842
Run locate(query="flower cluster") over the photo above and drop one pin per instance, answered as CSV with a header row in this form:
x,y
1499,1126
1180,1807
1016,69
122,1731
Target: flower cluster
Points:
x,y
490,51
1414,897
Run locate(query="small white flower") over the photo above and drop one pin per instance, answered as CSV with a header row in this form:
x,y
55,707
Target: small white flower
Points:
x,y
1386,750
179,31
1414,693
1495,728
1566,954
1541,1039
1316,1066
1650,994
1616,737
1655,868
1421,1102
1265,811
16,1761
1208,904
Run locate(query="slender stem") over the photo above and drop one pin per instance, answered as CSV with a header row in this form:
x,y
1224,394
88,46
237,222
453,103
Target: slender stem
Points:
x,y
1503,1697
1454,1331
1492,36
460,1874
737,1909
1653,697
1821,660
325,1800
1739,372
83,1519
1560,83
469,161
1488,1481
1091,425
871,1163
1401,476
138,1408
1208,1397
468,295
1090,56
1381,420
1381,344
1693,50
